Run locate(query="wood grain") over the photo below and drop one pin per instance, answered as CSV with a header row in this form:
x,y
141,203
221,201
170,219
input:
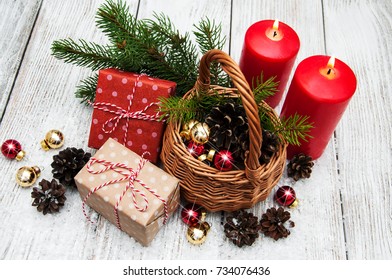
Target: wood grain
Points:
x,y
319,229
17,20
359,33
345,207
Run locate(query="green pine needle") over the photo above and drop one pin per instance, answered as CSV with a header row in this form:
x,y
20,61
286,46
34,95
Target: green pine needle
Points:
x,y
209,36
83,53
294,128
264,89
87,88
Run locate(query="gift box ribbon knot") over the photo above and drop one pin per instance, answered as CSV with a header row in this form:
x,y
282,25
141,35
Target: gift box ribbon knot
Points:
x,y
127,114
128,174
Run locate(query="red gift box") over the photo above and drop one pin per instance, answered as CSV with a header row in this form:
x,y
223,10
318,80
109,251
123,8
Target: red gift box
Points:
x,y
125,109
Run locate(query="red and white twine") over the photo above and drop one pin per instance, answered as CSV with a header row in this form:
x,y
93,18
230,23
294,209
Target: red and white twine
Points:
x,y
129,174
121,113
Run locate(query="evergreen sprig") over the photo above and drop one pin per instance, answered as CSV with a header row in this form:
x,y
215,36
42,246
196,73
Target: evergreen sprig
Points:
x,y
293,128
176,108
86,89
209,36
82,53
151,46
264,89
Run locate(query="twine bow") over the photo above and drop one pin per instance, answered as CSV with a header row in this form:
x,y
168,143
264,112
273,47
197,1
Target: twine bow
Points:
x,y
128,174
122,113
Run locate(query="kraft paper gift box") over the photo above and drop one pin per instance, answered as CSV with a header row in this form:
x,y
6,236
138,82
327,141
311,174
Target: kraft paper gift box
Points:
x,y
107,175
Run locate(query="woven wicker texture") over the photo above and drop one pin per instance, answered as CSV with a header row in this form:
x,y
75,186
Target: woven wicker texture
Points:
x,y
205,185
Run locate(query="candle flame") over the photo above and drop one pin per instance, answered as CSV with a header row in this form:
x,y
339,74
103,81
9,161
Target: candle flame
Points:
x,y
276,25
331,62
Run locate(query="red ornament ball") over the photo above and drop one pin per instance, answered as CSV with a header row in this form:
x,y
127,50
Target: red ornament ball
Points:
x,y
285,196
223,160
195,150
12,149
191,214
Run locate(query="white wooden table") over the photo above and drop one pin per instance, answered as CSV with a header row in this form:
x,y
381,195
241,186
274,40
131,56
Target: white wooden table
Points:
x,y
345,207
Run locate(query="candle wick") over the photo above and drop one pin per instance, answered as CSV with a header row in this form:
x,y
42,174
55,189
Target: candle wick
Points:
x,y
275,33
329,71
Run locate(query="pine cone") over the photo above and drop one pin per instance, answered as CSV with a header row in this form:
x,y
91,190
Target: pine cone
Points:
x,y
242,228
229,128
272,223
300,166
49,197
269,146
67,164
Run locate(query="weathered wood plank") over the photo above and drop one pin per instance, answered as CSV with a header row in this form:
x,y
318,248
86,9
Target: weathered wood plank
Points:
x,y
43,99
319,231
358,32
16,24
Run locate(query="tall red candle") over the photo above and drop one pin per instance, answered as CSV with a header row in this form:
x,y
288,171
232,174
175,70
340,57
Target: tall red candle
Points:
x,y
270,48
321,89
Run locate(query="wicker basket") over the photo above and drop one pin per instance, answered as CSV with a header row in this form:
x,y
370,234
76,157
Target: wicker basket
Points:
x,y
207,186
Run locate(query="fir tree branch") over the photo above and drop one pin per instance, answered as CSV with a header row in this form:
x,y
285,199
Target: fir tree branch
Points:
x,y
178,109
87,88
209,36
115,20
175,108
83,54
294,128
176,52
264,89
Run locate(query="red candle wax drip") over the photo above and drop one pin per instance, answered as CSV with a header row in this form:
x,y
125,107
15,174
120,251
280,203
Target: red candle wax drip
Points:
x,y
270,50
321,89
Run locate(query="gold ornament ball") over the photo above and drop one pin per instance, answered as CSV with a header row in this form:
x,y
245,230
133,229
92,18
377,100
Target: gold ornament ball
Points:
x,y
54,139
26,175
188,126
197,234
200,133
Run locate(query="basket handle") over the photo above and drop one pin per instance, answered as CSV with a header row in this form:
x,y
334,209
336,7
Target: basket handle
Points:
x,y
251,109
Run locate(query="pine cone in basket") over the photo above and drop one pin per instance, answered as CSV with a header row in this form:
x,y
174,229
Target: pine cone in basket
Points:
x,y
269,146
300,166
272,223
67,164
229,128
49,197
242,228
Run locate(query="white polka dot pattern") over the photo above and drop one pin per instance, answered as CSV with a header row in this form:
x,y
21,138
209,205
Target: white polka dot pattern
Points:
x,y
142,223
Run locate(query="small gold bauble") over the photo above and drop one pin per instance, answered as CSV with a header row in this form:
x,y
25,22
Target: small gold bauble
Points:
x,y
294,204
185,135
211,155
203,157
197,234
54,139
200,133
26,175
20,155
188,126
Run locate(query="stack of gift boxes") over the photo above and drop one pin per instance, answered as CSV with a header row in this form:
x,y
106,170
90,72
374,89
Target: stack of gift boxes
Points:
x,y
120,181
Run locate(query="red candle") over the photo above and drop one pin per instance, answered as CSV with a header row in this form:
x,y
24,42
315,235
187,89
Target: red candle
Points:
x,y
270,47
321,89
